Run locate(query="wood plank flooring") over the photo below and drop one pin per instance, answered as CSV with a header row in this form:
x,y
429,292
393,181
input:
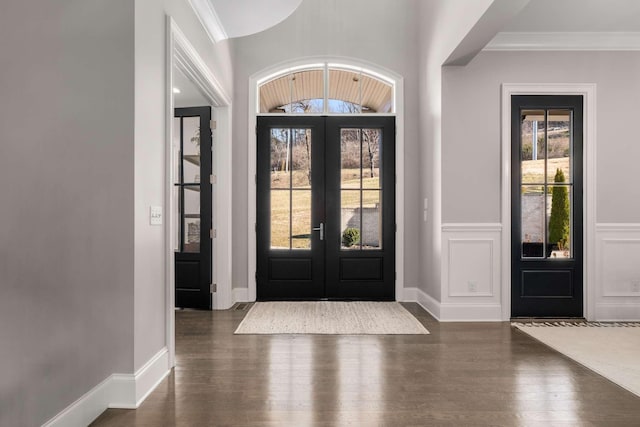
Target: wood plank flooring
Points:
x,y
463,374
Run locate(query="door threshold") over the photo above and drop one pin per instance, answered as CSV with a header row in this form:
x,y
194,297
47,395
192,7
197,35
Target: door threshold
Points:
x,y
548,319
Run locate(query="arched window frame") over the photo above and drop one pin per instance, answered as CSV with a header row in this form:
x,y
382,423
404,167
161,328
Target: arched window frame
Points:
x,y
326,67
259,77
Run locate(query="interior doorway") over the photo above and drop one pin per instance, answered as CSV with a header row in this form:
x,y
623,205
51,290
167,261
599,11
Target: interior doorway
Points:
x,y
326,207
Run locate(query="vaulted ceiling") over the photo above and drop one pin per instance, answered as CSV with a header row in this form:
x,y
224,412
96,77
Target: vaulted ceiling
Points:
x,y
225,19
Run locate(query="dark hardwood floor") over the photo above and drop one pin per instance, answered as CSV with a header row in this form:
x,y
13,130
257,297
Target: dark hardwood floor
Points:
x,y
463,374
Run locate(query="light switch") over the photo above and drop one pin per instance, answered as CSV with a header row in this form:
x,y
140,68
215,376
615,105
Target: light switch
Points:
x,y
155,215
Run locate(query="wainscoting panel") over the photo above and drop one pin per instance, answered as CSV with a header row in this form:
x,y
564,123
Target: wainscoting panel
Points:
x,y
617,287
471,273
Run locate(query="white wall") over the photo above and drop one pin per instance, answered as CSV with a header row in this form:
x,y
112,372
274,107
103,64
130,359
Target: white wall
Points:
x,y
82,159
471,128
67,201
368,30
442,25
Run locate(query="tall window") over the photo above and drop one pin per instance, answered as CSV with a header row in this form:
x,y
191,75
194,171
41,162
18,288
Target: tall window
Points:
x,y
326,88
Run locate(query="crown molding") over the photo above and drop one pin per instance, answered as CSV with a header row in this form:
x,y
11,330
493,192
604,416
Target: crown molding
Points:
x,y
209,19
603,41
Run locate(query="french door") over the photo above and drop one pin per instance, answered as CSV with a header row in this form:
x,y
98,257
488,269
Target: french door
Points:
x,y
546,205
192,139
325,208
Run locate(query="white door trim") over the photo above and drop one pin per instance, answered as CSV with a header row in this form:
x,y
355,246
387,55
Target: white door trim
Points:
x,y
182,54
251,167
588,91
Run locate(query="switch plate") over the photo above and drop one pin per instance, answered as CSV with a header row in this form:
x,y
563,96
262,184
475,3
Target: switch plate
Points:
x,y
155,215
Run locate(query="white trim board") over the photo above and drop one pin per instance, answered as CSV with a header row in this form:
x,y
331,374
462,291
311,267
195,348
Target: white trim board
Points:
x,y
564,41
123,391
455,312
209,19
588,91
251,158
241,295
183,55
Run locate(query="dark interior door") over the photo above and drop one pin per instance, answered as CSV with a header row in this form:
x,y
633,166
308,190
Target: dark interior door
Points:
x,y
326,208
546,200
193,171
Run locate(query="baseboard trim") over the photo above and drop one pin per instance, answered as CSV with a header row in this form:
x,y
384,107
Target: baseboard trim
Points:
x,y
122,391
150,375
610,312
470,312
240,295
424,300
454,312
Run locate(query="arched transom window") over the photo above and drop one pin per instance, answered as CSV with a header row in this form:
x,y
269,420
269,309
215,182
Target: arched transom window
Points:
x,y
326,89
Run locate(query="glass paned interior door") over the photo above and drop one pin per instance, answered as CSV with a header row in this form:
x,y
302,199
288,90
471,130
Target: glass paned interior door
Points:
x,y
547,183
187,173
290,202
360,187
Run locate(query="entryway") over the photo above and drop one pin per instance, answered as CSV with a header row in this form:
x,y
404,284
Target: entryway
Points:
x,y
546,206
325,207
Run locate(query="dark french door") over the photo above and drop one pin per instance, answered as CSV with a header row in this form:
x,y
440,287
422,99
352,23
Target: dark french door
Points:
x,y
192,138
546,201
325,208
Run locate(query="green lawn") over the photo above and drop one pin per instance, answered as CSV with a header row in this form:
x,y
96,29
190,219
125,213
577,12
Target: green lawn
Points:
x,y
301,203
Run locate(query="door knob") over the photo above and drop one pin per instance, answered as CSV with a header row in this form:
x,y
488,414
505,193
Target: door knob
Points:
x,y
321,230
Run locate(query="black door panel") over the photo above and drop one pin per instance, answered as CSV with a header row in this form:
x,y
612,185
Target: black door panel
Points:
x,y
193,257
546,202
325,208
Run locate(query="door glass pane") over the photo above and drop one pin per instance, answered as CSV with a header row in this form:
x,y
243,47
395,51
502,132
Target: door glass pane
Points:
x,y
533,146
280,219
533,221
301,158
307,90
371,220
352,92
274,95
350,158
191,218
345,92
559,146
176,150
350,219
301,219
280,158
559,221
371,147
176,218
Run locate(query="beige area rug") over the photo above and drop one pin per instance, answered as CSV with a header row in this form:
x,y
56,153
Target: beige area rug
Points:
x,y
612,351
330,317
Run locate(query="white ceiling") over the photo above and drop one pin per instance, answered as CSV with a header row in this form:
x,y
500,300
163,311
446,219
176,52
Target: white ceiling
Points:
x,y
577,16
244,17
